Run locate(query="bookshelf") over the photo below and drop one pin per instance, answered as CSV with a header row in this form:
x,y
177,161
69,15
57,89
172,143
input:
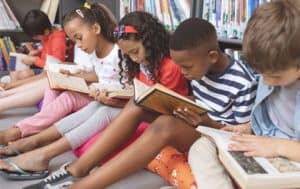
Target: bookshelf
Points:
x,y
21,7
169,12
230,17
113,5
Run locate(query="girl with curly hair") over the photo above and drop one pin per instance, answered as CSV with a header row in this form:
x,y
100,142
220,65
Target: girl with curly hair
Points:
x,y
144,44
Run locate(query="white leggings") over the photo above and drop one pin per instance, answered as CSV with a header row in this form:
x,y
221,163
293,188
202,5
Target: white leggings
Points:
x,y
83,124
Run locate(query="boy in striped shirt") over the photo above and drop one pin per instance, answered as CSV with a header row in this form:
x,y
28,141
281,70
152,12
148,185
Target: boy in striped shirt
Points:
x,y
222,85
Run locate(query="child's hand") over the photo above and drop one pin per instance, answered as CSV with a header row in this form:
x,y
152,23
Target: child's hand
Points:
x,y
253,145
102,96
192,118
93,91
241,129
34,52
29,60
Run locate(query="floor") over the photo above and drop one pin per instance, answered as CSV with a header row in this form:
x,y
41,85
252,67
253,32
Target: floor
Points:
x,y
140,180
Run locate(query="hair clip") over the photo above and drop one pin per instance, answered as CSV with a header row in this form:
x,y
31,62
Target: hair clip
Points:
x,y
79,12
122,29
87,5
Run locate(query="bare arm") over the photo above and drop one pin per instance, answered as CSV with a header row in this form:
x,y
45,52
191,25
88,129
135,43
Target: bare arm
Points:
x,y
89,77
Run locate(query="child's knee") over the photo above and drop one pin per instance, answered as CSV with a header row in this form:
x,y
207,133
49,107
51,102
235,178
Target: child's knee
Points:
x,y
163,127
200,148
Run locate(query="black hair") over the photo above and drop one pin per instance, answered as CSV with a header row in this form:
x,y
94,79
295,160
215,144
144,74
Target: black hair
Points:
x,y
193,33
98,13
35,23
155,39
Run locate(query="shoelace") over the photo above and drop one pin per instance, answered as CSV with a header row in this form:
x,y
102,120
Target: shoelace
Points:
x,y
55,175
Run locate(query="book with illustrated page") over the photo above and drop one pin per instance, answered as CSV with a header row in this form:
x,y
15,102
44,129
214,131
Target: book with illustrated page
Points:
x,y
254,172
163,100
16,62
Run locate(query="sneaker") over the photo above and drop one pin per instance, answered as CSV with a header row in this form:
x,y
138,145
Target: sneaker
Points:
x,y
59,179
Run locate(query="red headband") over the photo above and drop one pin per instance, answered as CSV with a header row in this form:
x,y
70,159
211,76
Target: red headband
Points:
x,y
122,29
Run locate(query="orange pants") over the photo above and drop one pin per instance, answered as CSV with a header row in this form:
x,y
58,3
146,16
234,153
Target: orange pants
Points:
x,y
174,168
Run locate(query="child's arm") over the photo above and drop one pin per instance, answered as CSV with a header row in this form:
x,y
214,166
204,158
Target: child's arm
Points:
x,y
89,77
266,146
29,60
102,96
195,119
244,128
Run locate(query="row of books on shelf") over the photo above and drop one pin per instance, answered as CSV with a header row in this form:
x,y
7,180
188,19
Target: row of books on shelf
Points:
x,y
11,55
236,54
169,12
230,16
6,47
8,21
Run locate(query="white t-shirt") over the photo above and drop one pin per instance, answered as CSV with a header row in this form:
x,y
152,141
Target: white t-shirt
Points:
x,y
83,59
107,69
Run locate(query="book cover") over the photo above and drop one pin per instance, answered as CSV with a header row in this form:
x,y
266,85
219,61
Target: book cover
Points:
x,y
161,99
16,62
254,172
63,82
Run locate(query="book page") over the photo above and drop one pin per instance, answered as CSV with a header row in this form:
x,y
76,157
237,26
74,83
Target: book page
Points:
x,y
139,89
121,94
251,165
61,81
55,65
222,138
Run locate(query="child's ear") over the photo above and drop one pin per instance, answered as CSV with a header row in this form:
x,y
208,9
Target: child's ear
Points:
x,y
213,56
97,28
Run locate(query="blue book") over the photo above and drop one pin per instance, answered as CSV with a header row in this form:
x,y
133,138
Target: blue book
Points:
x,y
15,62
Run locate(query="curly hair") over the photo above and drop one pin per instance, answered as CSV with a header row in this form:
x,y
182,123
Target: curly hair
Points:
x,y
155,39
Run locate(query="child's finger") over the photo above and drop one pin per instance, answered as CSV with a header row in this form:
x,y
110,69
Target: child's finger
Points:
x,y
250,154
227,128
190,113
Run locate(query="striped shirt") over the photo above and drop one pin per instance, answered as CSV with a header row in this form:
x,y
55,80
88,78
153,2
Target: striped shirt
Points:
x,y
228,96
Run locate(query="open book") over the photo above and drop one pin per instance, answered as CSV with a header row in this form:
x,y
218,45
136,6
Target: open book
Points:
x,y
161,99
16,62
63,82
55,65
254,172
